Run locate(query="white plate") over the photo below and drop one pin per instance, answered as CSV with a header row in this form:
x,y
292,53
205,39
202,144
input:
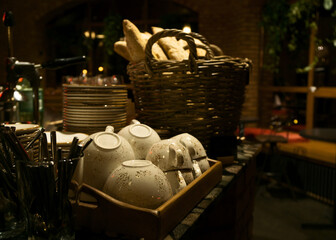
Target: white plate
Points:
x,y
21,128
94,117
92,124
65,139
99,112
81,94
100,103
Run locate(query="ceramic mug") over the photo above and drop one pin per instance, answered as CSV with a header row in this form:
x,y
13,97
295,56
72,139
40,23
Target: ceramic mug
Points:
x,y
140,136
176,180
169,154
196,150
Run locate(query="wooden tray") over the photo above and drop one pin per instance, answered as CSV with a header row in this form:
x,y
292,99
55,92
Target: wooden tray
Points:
x,y
112,217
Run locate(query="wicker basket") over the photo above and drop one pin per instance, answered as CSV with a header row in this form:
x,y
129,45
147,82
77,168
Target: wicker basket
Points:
x,y
203,97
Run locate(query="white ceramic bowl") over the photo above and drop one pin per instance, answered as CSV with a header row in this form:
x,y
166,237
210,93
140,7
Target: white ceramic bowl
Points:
x,y
169,154
140,136
105,153
196,149
140,183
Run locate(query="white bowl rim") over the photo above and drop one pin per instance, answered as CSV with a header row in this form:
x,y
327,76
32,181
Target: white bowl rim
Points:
x,y
137,163
133,130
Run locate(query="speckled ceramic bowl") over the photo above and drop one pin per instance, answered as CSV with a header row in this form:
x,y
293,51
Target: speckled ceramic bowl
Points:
x,y
140,136
106,152
140,183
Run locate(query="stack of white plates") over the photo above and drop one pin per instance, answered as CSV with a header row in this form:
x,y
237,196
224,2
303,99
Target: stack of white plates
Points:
x,y
89,109
64,139
25,134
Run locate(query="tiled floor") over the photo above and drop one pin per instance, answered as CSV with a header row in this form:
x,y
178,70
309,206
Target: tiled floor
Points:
x,y
277,216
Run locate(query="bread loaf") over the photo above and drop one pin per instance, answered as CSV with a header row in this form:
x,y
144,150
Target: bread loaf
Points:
x,y
135,42
171,46
120,47
157,51
201,52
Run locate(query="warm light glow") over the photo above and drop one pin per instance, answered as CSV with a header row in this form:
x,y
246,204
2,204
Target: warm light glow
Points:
x,y
295,121
87,34
93,35
84,71
100,69
186,28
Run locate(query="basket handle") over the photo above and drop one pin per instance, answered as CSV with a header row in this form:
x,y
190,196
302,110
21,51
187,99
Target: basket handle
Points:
x,y
207,46
179,35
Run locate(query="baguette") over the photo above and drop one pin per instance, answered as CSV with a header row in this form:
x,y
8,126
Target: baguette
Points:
x,y
171,46
120,47
135,42
157,51
201,52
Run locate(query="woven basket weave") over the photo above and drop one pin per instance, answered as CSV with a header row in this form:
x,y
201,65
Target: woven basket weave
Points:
x,y
202,97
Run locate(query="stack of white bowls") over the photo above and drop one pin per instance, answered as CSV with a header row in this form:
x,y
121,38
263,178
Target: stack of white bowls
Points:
x,y
89,109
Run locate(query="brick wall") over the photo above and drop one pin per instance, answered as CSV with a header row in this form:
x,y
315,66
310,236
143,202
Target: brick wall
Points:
x,y
233,25
230,24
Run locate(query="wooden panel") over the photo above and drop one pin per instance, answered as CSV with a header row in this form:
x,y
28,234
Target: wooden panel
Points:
x,y
319,151
325,92
289,89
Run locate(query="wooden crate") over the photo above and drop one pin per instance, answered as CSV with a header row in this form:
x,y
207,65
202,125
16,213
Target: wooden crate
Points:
x,y
112,217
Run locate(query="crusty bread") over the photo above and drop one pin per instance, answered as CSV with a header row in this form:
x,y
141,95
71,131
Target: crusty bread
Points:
x,y
201,52
135,42
120,47
157,51
171,46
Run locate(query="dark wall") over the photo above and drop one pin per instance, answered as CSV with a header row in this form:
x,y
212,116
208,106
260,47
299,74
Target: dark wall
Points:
x,y
233,25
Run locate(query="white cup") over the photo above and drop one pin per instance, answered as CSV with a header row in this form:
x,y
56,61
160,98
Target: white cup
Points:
x,y
105,153
196,169
196,150
188,175
140,136
169,154
140,183
176,180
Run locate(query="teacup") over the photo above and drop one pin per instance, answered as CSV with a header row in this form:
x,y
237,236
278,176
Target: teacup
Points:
x,y
196,149
140,136
168,155
196,169
140,183
176,180
105,153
